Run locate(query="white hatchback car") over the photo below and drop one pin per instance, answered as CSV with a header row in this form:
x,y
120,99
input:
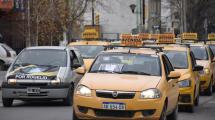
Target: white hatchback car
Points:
x,y
7,55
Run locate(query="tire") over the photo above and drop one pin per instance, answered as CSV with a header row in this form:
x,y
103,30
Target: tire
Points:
x,y
209,90
190,108
164,113
68,101
197,101
7,102
74,116
1,65
173,115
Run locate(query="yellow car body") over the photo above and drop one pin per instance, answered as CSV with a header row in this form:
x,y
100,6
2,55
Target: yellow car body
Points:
x,y
132,85
88,60
207,76
189,82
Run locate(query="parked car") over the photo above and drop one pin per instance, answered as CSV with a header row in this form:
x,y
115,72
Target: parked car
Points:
x,y
7,55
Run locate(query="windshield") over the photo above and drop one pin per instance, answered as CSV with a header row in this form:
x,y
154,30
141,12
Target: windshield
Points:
x,y
178,59
200,52
42,58
89,51
127,64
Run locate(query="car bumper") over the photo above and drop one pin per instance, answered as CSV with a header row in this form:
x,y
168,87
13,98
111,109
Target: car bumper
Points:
x,y
186,96
204,81
50,92
92,108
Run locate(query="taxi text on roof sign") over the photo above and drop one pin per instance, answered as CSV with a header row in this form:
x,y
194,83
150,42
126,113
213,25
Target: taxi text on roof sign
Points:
x,y
154,36
131,40
167,38
211,36
189,36
90,34
144,36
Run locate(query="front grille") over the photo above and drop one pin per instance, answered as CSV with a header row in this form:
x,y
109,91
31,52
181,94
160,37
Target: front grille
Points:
x,y
115,94
33,84
114,113
185,98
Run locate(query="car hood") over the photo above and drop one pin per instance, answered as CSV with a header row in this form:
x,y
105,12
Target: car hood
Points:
x,y
34,72
203,63
121,82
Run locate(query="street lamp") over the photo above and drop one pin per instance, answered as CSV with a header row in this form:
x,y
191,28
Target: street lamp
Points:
x,y
139,12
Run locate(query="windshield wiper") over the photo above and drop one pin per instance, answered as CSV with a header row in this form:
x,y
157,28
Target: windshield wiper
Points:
x,y
134,72
179,67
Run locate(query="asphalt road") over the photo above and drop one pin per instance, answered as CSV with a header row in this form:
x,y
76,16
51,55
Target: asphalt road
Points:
x,y
55,111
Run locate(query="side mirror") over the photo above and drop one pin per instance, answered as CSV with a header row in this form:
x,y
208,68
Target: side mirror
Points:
x,y
76,65
198,68
80,70
174,75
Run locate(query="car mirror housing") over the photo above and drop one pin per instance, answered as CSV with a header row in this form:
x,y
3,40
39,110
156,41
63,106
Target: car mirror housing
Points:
x,y
198,68
174,75
80,70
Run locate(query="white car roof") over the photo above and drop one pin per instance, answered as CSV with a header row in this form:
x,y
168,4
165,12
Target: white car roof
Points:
x,y
47,47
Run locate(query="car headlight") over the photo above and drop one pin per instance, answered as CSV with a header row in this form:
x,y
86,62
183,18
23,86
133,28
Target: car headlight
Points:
x,y
205,71
150,94
56,82
83,91
11,81
184,83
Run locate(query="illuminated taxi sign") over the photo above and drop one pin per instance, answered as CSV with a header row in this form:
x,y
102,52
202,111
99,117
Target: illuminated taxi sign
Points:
x,y
189,36
90,34
144,36
211,36
131,40
166,38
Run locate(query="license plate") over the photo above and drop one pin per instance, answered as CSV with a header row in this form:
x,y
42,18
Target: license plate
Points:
x,y
33,90
114,106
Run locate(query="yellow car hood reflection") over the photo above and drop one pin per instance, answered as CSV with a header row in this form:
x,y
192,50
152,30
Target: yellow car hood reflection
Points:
x,y
185,74
122,82
88,63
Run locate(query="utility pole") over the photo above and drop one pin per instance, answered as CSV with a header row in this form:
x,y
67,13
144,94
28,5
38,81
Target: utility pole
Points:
x,y
93,13
28,40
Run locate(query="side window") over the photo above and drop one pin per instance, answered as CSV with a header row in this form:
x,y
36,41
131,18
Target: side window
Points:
x,y
73,58
211,53
168,66
80,59
193,59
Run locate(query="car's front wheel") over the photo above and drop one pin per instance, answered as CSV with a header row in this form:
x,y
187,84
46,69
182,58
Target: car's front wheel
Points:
x,y
209,90
68,101
7,102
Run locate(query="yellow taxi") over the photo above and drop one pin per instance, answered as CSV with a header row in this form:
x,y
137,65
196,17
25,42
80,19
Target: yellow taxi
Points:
x,y
89,50
183,60
205,58
128,83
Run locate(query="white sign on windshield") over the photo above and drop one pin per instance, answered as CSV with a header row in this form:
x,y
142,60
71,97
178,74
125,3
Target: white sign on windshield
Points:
x,y
111,67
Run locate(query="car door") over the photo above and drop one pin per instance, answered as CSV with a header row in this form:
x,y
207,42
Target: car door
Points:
x,y
173,89
75,60
211,57
195,74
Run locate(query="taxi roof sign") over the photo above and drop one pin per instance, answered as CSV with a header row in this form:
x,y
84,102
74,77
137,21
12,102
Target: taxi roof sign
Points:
x,y
144,36
130,40
211,36
90,34
189,36
167,38
154,36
